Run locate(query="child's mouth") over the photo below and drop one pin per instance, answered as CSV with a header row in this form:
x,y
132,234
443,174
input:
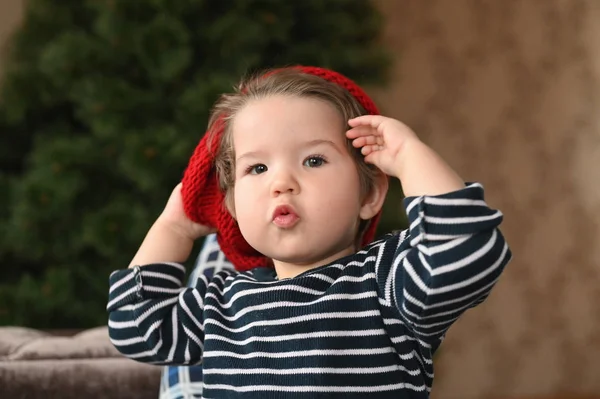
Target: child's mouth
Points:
x,y
285,217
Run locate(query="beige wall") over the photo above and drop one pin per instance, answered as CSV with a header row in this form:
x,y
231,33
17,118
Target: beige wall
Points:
x,y
508,91
11,12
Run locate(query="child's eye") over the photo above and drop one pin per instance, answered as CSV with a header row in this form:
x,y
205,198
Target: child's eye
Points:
x,y
256,169
314,161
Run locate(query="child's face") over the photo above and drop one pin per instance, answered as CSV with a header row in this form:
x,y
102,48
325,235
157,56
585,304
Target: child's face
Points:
x,y
291,152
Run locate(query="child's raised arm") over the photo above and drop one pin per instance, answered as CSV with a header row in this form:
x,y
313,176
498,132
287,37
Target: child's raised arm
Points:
x,y
151,317
454,253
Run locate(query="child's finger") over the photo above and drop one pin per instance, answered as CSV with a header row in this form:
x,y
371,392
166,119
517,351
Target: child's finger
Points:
x,y
365,140
369,149
370,158
367,120
360,131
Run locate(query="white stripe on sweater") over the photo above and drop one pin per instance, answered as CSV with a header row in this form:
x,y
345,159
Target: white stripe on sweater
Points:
x,y
122,281
291,337
310,370
303,353
287,304
316,388
462,219
163,276
298,319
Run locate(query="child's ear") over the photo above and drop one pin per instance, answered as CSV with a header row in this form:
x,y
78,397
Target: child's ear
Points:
x,y
373,202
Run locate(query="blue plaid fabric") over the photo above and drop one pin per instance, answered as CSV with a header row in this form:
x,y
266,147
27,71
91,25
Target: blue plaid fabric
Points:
x,y
185,382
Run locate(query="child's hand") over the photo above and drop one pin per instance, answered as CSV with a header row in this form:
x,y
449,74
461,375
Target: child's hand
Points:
x,y
174,217
171,237
381,140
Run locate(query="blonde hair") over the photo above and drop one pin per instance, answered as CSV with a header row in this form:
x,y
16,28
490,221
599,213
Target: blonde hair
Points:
x,y
287,82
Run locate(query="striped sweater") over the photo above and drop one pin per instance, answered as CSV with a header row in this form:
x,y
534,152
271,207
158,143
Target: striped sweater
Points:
x,y
366,325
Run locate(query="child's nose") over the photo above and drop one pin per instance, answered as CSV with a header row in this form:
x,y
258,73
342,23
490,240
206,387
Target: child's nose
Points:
x,y
285,182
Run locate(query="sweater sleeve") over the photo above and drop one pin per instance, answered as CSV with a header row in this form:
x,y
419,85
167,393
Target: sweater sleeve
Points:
x,y
445,263
152,319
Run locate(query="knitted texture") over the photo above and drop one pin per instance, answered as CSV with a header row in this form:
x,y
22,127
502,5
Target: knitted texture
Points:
x,y
204,202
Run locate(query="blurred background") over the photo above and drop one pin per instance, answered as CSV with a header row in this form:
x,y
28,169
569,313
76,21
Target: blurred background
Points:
x,y
102,103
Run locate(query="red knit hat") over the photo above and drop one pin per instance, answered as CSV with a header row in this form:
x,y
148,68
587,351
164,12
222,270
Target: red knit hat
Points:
x,y
204,202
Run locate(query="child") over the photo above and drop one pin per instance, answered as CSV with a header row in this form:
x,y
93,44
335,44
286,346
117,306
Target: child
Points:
x,y
317,314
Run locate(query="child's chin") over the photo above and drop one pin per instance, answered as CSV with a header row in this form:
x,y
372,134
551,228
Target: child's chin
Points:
x,y
293,258
287,251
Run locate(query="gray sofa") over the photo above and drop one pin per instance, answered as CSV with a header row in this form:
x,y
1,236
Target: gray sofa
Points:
x,y
36,364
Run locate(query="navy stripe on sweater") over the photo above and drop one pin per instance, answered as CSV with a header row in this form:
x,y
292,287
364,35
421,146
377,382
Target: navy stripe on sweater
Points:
x,y
367,323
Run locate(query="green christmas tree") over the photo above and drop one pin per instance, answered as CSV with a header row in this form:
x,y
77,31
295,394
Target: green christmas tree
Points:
x,y
101,106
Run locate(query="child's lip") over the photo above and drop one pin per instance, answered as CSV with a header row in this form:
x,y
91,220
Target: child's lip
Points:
x,y
286,221
285,216
284,210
